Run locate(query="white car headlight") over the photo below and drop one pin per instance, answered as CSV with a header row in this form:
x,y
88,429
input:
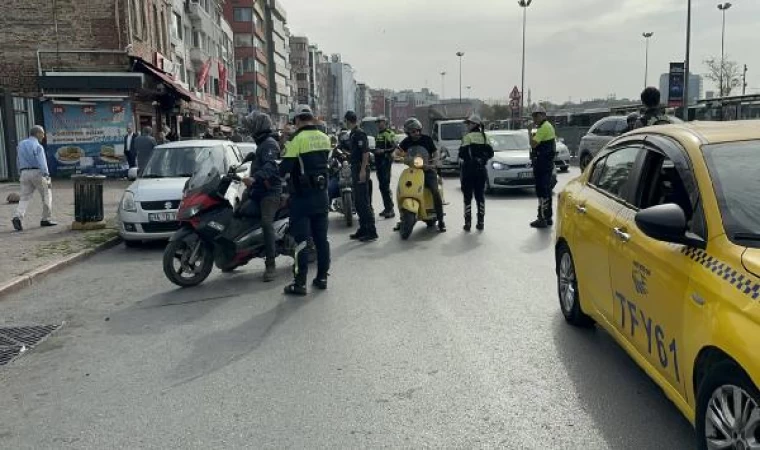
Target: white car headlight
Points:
x,y
128,202
498,166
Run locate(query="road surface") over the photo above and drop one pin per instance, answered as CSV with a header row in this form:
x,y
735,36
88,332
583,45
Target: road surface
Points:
x,y
452,340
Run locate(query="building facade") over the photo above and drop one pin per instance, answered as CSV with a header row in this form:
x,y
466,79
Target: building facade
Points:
x,y
303,82
363,100
248,23
319,82
382,103
278,49
342,89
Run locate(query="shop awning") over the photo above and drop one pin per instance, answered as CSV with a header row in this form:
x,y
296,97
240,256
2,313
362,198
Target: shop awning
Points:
x,y
169,82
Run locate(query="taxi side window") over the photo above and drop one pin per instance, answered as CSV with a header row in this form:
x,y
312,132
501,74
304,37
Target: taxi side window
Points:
x,y
613,173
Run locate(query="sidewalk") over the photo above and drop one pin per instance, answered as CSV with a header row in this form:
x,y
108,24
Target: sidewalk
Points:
x,y
35,247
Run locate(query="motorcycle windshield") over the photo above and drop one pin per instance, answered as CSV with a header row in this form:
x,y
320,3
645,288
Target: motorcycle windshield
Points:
x,y
209,168
418,150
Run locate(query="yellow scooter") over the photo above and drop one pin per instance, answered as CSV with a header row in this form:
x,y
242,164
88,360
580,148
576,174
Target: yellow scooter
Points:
x,y
415,202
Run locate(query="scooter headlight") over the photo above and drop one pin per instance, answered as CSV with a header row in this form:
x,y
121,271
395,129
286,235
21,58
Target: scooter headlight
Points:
x,y
418,162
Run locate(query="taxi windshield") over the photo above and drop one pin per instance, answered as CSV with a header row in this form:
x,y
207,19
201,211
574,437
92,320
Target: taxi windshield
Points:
x,y
732,168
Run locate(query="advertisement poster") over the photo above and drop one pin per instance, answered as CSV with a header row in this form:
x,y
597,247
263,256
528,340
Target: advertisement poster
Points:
x,y
676,85
87,139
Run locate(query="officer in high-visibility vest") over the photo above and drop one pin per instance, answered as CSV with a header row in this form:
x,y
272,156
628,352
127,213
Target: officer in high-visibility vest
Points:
x,y
385,145
475,152
306,164
544,150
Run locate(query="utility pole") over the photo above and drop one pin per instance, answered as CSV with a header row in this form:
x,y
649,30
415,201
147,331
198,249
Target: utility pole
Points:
x,y
723,7
744,81
524,4
460,55
687,63
647,36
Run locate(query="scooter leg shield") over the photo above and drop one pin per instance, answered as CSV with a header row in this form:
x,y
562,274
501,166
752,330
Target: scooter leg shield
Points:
x,y
411,205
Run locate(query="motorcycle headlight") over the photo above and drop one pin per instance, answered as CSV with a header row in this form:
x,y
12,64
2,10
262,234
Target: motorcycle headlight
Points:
x,y
498,166
418,162
128,202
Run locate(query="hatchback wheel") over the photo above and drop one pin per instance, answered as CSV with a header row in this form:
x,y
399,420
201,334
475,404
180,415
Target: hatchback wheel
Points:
x,y
728,410
567,289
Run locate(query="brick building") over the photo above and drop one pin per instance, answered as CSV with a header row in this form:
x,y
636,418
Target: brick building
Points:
x,y
93,67
300,70
247,19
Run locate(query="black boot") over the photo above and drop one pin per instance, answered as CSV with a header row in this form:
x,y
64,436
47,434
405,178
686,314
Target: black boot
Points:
x,y
481,216
360,233
467,217
270,273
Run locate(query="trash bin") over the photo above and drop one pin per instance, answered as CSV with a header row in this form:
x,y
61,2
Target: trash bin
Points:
x,y
88,198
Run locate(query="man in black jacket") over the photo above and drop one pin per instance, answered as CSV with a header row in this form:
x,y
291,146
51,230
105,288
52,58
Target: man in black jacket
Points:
x,y
265,184
143,146
129,148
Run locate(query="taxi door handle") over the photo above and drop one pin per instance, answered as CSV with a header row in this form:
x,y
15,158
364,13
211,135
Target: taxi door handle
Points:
x,y
580,208
621,234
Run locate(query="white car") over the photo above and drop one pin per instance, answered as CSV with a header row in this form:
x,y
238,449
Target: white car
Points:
x,y
148,208
511,167
562,160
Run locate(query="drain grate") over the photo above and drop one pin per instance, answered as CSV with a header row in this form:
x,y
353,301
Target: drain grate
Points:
x,y
16,340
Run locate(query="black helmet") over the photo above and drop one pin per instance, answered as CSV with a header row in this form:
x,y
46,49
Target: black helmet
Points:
x,y
650,97
351,117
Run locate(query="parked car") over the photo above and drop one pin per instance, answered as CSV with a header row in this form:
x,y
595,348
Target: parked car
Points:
x,y
511,167
148,208
659,244
562,160
599,135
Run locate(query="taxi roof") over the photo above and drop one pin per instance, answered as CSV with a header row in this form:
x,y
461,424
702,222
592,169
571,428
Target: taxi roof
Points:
x,y
710,132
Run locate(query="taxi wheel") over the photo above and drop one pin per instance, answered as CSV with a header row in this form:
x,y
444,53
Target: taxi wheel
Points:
x,y
567,288
728,409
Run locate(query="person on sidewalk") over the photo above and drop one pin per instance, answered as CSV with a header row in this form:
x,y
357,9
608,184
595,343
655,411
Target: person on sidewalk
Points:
x,y
359,147
144,145
386,145
129,147
35,176
265,184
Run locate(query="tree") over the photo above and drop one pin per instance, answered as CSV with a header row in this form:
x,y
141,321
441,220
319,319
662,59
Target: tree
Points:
x,y
729,73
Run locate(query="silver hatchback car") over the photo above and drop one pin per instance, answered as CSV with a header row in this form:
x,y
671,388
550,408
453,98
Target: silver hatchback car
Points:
x,y
511,167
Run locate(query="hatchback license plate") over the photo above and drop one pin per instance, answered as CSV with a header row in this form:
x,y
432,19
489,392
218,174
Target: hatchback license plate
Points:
x,y
162,217
525,175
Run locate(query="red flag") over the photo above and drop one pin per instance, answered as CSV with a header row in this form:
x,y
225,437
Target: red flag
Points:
x,y
222,79
203,74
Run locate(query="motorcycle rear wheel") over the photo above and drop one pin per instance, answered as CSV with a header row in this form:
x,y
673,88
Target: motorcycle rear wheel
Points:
x,y
174,268
408,219
348,208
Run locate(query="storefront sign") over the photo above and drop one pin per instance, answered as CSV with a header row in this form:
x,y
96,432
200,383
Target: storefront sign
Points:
x,y
87,138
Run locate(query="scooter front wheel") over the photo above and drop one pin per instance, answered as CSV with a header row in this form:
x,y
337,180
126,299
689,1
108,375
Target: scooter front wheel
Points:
x,y
188,262
408,219
348,208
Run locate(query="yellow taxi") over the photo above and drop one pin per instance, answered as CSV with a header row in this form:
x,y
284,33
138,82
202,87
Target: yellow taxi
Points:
x,y
658,242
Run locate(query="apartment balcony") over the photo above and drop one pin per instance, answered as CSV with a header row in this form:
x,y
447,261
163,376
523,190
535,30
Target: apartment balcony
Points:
x,y
198,56
262,80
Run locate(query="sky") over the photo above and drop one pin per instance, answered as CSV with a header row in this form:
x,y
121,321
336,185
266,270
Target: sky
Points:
x,y
576,49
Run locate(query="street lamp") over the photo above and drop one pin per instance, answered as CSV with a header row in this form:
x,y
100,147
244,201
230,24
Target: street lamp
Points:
x,y
687,61
647,36
443,85
469,92
723,7
524,4
460,55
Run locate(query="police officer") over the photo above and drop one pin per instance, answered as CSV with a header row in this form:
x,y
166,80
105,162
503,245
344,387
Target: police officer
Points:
x,y
475,152
544,149
264,184
305,162
384,148
654,113
359,148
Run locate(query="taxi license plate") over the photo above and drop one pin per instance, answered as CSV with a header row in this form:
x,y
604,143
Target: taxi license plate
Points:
x,y
525,175
162,217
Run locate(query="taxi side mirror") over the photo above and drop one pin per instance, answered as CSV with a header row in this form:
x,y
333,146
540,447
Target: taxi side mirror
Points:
x,y
667,223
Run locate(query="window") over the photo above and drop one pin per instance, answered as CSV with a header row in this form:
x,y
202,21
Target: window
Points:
x,y
231,156
612,173
239,66
242,14
156,30
621,126
197,41
301,76
177,28
216,90
605,128
135,17
249,65
243,40
181,69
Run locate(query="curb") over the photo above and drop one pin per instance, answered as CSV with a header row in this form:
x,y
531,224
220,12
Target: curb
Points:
x,y
38,274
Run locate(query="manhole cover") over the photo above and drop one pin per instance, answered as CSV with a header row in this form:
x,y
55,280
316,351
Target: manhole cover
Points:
x,y
15,340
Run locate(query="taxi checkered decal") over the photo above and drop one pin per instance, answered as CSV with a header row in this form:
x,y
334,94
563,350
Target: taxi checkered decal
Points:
x,y
741,282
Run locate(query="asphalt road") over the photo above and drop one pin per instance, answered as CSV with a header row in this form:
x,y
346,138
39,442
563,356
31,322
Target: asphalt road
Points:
x,y
450,340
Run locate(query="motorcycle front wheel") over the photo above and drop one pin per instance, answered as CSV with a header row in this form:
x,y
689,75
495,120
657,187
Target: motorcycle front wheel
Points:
x,y
188,262
348,208
408,219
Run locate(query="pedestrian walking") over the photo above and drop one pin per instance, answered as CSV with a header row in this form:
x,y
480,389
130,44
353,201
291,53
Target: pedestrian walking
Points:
x,y
359,147
35,176
306,163
475,152
543,151
144,145
384,149
129,149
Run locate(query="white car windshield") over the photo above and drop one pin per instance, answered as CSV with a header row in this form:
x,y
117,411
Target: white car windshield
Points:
x,y
509,142
174,162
